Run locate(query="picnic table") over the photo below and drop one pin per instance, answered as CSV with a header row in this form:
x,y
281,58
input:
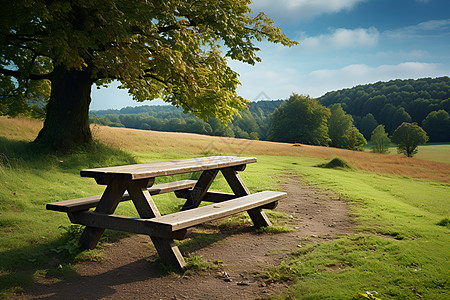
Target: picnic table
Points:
x,y
135,183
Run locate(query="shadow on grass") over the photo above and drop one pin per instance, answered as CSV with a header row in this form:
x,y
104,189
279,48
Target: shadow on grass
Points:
x,y
54,260
21,154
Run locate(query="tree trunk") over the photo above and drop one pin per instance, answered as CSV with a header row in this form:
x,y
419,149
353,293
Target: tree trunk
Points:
x,y
67,123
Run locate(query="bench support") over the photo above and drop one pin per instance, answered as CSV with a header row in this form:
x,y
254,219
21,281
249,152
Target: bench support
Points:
x,y
199,191
166,247
239,188
113,194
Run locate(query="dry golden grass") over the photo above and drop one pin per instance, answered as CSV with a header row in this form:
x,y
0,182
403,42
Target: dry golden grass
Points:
x,y
152,141
19,128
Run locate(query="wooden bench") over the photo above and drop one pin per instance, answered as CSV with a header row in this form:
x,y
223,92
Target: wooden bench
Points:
x,y
192,217
135,183
86,203
174,225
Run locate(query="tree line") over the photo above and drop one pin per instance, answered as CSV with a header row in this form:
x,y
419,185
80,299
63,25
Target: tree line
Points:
x,y
343,119
248,124
424,101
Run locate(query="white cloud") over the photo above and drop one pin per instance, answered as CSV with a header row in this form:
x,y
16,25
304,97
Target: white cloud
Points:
x,y
401,55
353,75
342,38
296,10
421,29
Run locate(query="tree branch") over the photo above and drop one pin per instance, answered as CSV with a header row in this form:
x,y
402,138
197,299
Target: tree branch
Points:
x,y
166,84
190,23
26,48
19,74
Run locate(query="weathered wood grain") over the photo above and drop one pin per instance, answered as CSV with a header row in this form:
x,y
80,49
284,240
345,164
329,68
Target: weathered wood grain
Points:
x,y
192,217
200,189
85,203
107,205
152,170
126,224
238,186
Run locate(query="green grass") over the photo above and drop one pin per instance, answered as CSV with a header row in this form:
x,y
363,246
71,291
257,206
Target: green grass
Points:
x,y
30,237
439,152
435,152
400,249
407,257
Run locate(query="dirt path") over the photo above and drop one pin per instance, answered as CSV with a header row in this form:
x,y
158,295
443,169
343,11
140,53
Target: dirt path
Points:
x,y
129,271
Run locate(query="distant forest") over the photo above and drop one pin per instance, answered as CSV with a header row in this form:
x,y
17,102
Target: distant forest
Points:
x,y
425,101
251,124
394,102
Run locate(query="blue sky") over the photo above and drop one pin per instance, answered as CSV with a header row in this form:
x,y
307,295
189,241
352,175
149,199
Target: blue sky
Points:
x,y
343,43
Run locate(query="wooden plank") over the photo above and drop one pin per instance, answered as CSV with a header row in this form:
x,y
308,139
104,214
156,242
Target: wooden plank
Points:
x,y
235,181
167,249
108,203
192,217
200,189
151,170
169,252
238,186
142,199
86,203
126,224
209,196
217,197
171,187
74,204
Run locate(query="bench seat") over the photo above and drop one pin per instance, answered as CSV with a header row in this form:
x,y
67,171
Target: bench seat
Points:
x,y
175,225
86,203
191,217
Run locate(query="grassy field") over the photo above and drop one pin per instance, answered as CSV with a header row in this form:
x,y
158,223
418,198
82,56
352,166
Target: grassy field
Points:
x,y
401,207
435,152
438,152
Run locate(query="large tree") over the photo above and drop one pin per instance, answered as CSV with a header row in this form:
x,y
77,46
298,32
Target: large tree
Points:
x,y
342,132
408,137
52,52
380,140
300,119
437,125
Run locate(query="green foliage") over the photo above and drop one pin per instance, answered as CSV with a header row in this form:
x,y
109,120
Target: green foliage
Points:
x,y
249,124
367,124
380,140
300,119
392,103
168,50
407,137
444,222
336,162
342,132
177,67
437,126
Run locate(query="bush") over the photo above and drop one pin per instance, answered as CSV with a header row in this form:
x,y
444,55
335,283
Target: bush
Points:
x,y
336,162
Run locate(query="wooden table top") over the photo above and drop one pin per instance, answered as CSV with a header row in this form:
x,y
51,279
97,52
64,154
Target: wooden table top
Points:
x,y
156,169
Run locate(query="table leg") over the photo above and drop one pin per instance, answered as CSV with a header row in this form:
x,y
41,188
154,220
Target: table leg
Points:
x,y
108,203
167,249
239,188
200,189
